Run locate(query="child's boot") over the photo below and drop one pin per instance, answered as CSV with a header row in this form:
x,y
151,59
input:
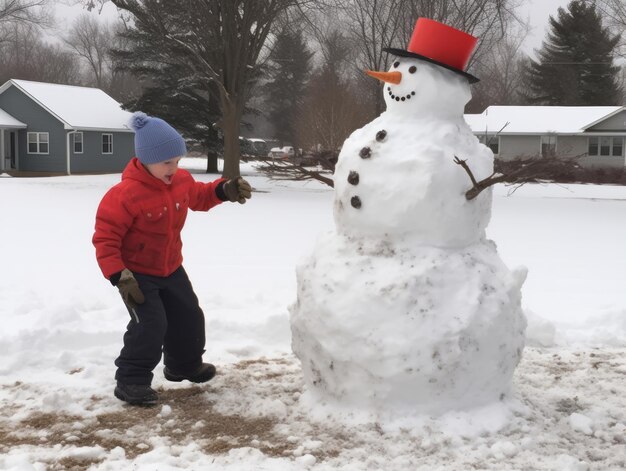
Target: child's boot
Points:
x,y
202,374
136,394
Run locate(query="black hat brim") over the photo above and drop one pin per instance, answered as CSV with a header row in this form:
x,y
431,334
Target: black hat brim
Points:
x,y
403,53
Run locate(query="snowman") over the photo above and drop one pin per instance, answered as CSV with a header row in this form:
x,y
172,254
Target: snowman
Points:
x,y
405,307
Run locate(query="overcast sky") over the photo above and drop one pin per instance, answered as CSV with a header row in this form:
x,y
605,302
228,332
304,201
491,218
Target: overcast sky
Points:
x,y
537,11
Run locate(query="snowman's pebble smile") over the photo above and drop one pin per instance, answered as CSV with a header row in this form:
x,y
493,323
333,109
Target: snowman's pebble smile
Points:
x,y
400,98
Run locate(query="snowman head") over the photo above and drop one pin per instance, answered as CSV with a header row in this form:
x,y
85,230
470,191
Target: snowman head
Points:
x,y
429,77
415,88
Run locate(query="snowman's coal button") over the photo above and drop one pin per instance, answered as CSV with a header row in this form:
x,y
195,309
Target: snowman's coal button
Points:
x,y
353,178
355,202
365,153
381,135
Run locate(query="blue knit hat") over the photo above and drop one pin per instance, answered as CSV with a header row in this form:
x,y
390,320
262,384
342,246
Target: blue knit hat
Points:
x,y
155,140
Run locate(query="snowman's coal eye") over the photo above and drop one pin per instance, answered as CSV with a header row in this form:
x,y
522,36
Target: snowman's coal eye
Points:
x,y
413,69
396,64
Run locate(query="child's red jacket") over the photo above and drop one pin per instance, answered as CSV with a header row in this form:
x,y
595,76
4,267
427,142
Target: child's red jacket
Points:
x,y
139,220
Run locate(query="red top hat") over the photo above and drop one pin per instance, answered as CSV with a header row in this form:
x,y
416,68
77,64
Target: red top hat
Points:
x,y
440,44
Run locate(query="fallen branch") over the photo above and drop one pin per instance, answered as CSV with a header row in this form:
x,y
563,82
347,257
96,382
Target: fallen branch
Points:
x,y
289,170
318,167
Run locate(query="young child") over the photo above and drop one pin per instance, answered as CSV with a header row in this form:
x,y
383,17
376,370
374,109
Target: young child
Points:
x,y
138,248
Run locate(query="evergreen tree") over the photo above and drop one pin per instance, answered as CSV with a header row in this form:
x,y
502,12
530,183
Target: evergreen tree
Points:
x,y
290,68
190,108
575,65
172,91
219,42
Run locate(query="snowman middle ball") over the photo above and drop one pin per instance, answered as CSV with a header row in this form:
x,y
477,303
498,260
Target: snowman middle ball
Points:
x,y
408,184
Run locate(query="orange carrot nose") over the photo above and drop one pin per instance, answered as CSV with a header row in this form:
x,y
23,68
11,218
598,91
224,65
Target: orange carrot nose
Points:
x,y
389,77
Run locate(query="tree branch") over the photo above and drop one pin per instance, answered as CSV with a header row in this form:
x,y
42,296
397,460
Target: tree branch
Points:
x,y
530,170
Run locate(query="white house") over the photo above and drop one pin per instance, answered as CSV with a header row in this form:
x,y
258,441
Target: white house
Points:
x,y
596,134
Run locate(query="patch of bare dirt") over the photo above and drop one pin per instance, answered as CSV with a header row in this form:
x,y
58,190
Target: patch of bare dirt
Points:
x,y
255,404
193,420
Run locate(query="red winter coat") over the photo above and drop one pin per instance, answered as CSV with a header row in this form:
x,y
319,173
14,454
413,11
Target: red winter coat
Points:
x,y
139,220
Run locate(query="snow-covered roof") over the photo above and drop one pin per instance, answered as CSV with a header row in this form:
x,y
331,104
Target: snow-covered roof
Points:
x,y
539,119
77,107
8,121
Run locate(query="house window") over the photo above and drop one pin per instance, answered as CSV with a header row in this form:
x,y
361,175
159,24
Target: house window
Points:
x,y
618,147
606,146
548,146
107,143
78,142
38,143
593,145
493,142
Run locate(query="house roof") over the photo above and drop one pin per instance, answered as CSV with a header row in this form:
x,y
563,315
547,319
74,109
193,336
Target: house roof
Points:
x,y
8,121
539,119
76,107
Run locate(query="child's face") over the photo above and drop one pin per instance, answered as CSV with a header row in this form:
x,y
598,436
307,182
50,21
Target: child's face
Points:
x,y
165,170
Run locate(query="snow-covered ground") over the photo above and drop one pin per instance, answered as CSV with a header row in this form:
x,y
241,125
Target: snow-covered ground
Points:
x,y
62,325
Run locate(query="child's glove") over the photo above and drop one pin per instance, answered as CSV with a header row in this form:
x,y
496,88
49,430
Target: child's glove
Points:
x,y
129,289
237,189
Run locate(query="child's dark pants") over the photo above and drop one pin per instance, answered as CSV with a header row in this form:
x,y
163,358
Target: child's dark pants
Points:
x,y
169,321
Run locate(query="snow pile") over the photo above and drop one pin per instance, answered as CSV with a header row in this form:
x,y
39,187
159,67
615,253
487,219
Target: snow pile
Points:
x,y
406,308
62,327
409,328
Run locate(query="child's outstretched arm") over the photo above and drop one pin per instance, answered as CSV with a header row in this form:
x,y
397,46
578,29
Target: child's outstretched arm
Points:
x,y
204,196
113,219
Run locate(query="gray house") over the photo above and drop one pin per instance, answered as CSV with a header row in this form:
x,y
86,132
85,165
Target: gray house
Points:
x,y
595,134
62,129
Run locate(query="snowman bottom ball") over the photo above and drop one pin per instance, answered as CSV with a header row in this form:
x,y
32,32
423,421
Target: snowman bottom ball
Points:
x,y
381,325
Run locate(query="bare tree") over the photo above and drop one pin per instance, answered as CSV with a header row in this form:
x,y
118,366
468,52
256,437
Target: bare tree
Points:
x,y
20,12
56,65
221,40
501,71
486,19
91,40
332,111
20,43
614,12
373,25
376,24
26,57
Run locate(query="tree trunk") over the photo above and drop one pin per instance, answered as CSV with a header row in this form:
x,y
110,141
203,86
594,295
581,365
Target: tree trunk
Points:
x,y
211,162
231,124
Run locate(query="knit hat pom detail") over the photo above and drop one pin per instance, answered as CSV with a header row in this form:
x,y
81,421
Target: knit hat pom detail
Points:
x,y
155,140
138,120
